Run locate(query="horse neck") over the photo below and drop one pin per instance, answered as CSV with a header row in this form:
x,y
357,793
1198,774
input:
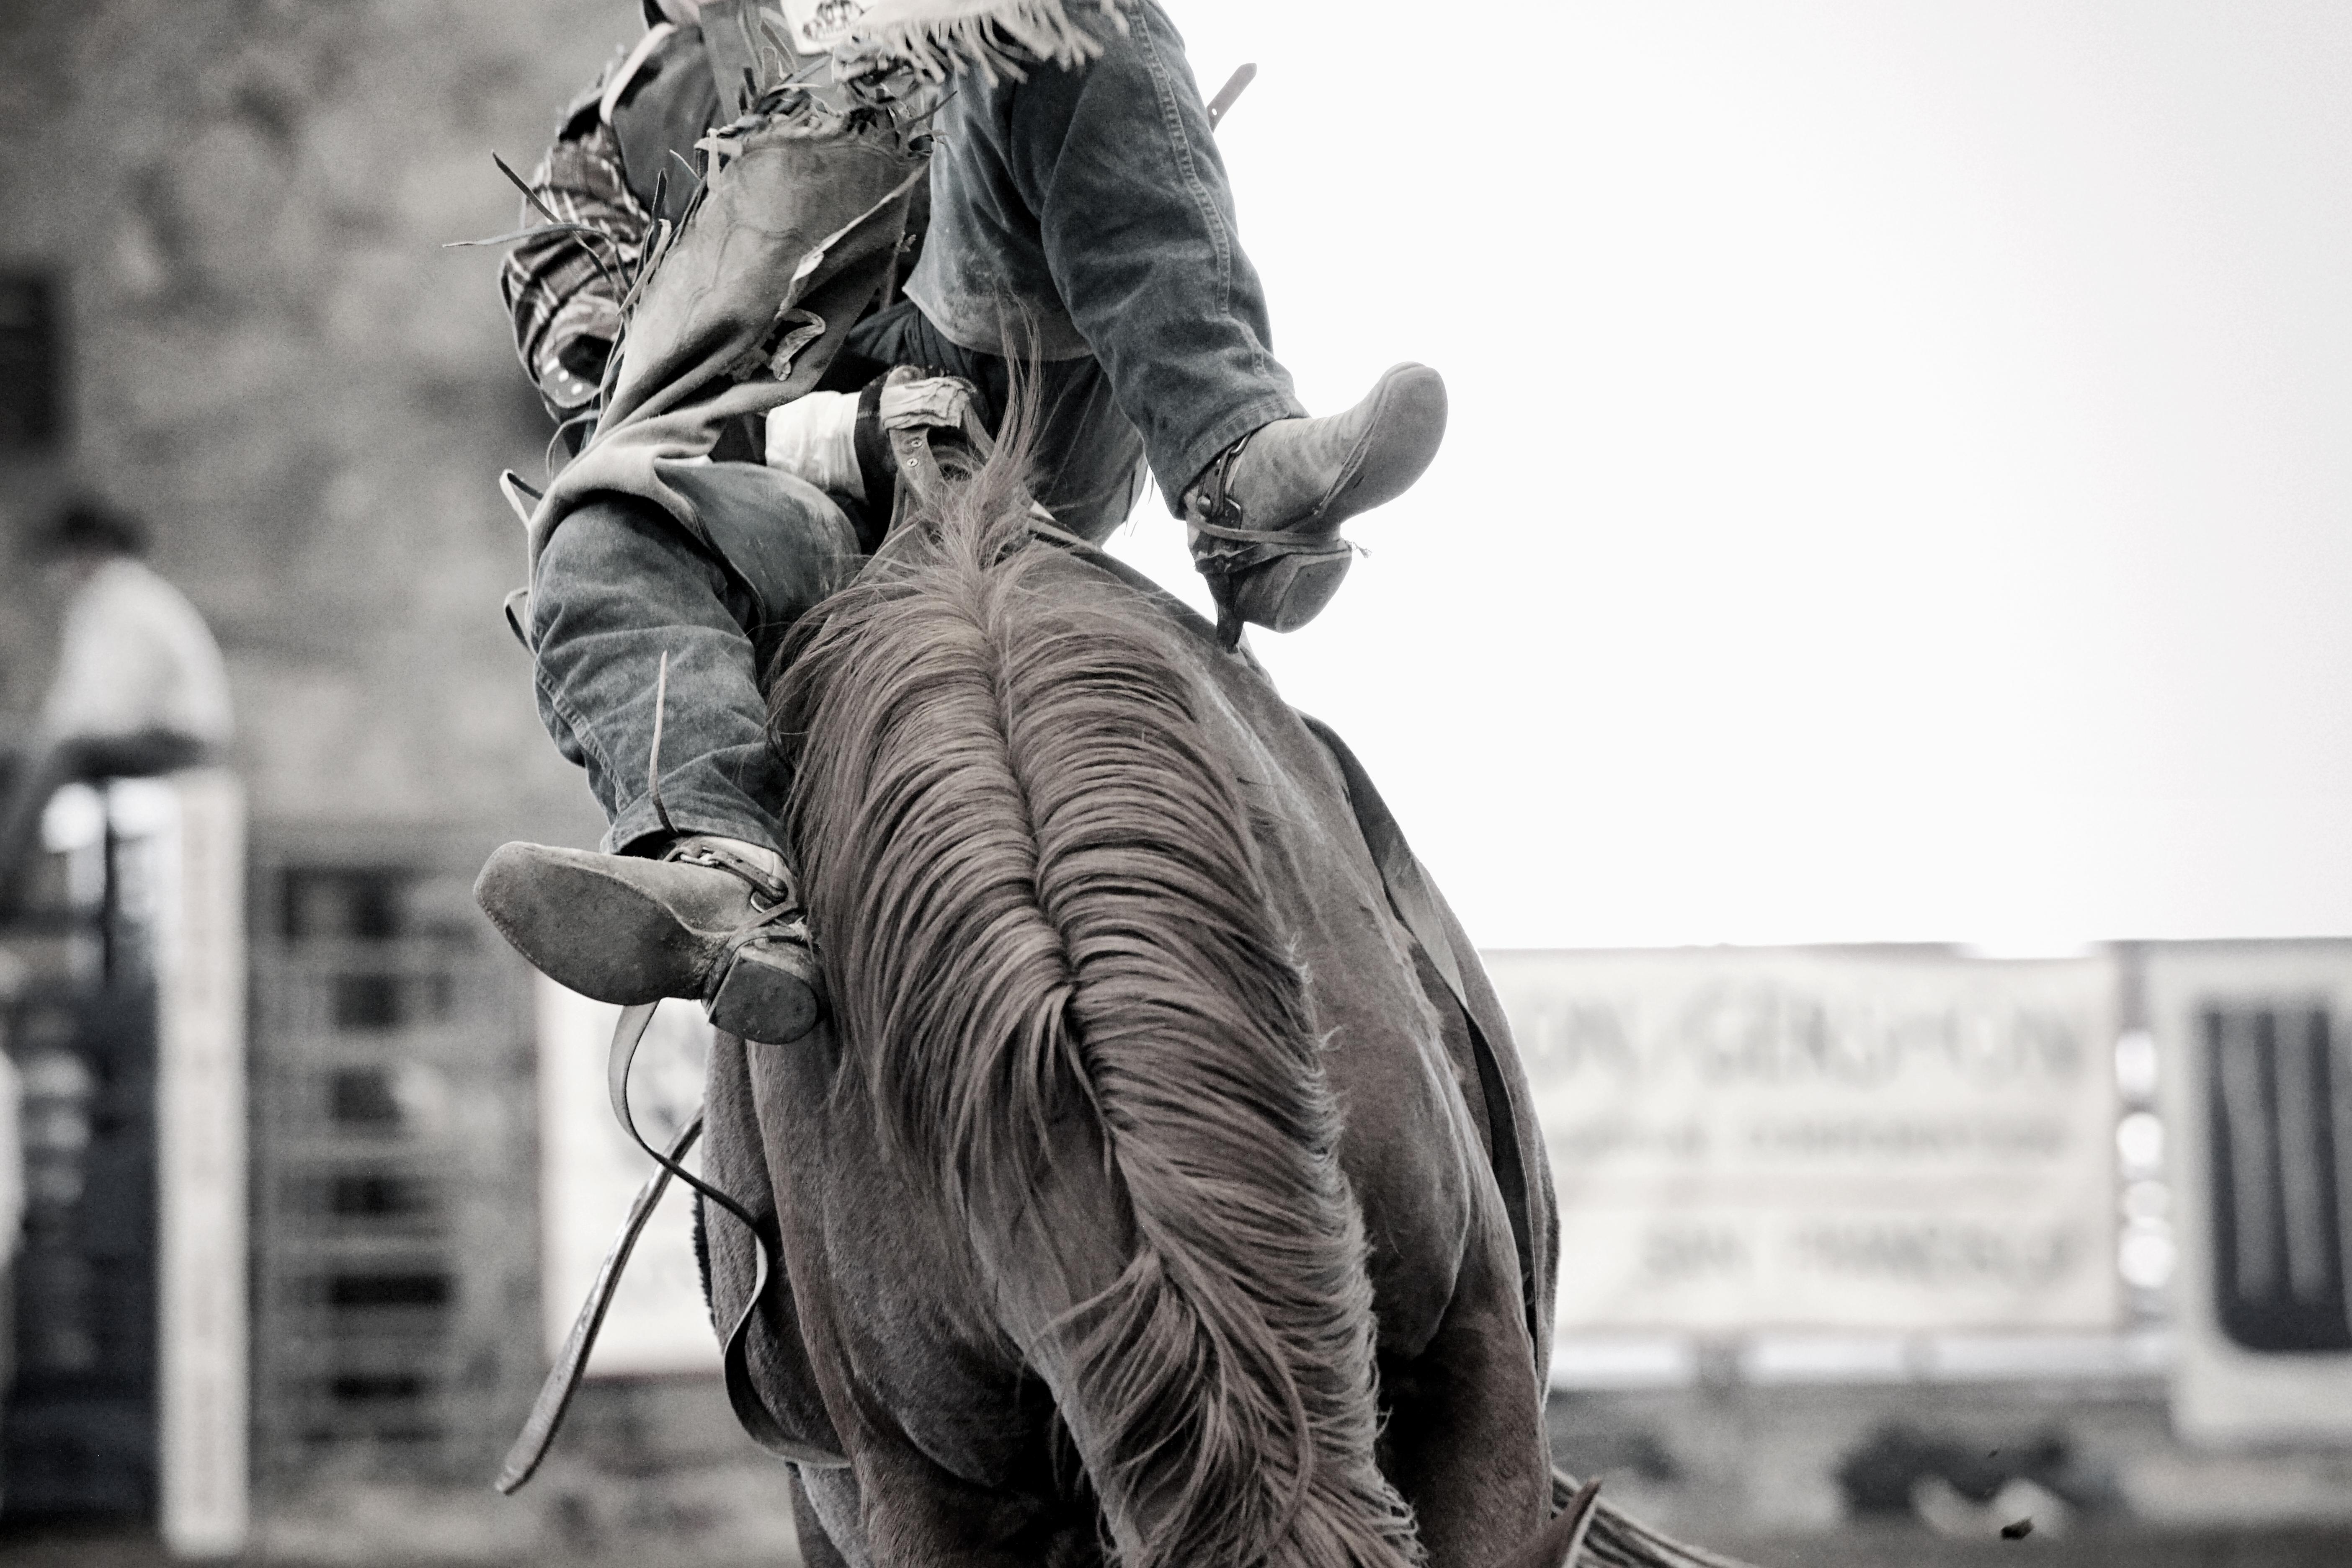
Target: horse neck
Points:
x,y
1035,889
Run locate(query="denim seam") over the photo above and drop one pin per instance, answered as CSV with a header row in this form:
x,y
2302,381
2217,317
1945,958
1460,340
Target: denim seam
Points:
x,y
1262,410
636,811
582,731
1172,121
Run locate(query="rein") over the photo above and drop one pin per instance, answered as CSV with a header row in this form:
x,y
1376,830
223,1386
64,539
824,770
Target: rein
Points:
x,y
563,1379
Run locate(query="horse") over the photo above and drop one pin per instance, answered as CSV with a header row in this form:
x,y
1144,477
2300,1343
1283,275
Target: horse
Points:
x,y
1163,1188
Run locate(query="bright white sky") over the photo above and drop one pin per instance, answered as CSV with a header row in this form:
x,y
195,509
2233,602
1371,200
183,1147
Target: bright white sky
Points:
x,y
1898,481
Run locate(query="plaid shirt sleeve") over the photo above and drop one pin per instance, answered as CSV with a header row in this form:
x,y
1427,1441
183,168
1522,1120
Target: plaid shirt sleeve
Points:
x,y
564,291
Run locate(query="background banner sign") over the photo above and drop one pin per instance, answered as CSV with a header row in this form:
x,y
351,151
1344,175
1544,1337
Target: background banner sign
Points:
x,y
1832,1139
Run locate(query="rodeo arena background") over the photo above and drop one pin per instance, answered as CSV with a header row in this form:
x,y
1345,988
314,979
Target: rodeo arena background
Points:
x,y
667,894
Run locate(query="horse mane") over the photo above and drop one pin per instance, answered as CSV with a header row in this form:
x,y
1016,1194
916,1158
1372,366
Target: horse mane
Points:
x,y
1037,897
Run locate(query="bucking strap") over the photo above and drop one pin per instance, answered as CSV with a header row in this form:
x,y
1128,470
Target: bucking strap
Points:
x,y
912,408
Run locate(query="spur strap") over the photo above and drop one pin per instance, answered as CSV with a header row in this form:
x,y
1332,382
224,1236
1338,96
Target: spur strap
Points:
x,y
762,882
782,914
774,901
1240,547
1262,545
1225,548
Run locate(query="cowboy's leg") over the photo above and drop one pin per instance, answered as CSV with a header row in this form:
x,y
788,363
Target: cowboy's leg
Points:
x,y
1088,210
618,585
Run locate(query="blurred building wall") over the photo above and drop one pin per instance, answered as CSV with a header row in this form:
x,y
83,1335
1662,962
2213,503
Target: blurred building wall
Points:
x,y
269,354
237,209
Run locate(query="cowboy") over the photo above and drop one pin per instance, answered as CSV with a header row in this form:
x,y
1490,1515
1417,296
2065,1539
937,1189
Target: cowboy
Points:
x,y
1079,220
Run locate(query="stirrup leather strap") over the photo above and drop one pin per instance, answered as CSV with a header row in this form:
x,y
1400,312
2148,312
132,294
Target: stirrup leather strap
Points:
x,y
547,1412
563,1379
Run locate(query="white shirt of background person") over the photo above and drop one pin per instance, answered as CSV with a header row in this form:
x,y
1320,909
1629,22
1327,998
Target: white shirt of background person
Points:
x,y
135,658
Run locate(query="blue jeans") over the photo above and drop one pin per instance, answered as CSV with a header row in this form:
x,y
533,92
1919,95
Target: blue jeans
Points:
x,y
619,585
1081,219
1085,215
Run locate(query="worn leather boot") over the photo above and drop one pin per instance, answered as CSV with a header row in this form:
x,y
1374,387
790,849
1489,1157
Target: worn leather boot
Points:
x,y
717,919
1266,515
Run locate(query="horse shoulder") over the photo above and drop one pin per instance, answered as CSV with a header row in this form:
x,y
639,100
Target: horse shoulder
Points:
x,y
1410,1144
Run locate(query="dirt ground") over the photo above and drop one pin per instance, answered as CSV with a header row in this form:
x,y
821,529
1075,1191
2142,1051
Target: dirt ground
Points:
x,y
1852,1547
1867,1547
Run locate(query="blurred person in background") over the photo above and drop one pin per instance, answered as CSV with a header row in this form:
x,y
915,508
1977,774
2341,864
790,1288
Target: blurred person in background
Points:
x,y
139,688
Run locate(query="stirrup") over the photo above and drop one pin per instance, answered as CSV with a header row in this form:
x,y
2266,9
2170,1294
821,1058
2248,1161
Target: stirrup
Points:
x,y
1276,578
749,991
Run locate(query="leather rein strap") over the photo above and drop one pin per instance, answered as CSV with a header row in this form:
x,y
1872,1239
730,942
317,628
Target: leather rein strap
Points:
x,y
563,1379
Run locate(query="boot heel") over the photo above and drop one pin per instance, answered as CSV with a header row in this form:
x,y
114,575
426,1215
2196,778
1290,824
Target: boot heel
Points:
x,y
763,1000
1290,591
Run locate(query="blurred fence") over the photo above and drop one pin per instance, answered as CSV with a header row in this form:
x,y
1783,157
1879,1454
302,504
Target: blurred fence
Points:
x,y
397,1278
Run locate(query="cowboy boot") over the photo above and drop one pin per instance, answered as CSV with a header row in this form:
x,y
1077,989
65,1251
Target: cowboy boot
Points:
x,y
715,920
1264,517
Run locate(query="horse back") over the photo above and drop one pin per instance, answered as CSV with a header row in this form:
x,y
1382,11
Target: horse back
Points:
x,y
913,1337
1418,1144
